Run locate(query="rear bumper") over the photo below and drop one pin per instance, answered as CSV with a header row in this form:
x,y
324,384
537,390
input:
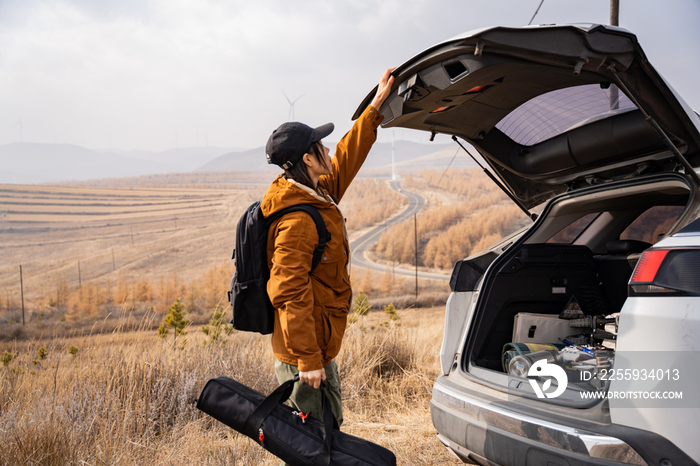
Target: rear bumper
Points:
x,y
488,433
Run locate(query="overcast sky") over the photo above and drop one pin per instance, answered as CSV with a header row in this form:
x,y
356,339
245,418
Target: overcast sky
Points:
x,y
153,74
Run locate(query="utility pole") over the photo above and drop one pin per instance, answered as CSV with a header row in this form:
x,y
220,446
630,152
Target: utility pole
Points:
x,y
415,233
393,169
614,12
21,285
614,21
393,265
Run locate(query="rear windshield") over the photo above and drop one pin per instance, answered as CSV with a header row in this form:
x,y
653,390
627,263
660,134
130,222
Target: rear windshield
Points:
x,y
557,112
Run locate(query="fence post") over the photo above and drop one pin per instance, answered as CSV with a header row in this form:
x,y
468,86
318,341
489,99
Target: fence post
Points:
x,y
415,233
21,285
393,265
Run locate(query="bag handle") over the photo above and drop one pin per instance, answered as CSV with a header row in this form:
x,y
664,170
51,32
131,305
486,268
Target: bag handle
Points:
x,y
282,394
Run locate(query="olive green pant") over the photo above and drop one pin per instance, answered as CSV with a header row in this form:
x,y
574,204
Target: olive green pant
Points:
x,y
307,399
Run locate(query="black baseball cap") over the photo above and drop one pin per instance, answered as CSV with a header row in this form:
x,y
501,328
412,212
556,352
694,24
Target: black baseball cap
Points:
x,y
288,143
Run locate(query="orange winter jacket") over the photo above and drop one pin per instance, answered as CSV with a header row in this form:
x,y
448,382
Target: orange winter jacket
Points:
x,y
311,308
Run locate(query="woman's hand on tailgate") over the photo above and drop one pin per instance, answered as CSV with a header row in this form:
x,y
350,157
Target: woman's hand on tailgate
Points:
x,y
313,378
383,89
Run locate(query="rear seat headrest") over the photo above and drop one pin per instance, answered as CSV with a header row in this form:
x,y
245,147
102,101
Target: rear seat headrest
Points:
x,y
626,246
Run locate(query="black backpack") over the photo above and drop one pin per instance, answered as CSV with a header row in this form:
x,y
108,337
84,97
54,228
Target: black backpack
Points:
x,y
252,309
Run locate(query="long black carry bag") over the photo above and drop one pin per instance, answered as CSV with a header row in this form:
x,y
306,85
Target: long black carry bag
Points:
x,y
294,438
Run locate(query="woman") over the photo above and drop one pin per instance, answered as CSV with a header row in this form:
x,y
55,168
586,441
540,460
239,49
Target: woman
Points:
x,y
311,308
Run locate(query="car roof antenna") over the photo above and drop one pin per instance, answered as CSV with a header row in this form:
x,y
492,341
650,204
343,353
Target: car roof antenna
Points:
x,y
531,215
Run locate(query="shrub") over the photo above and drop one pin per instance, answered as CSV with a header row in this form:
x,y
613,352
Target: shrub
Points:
x,y
360,308
7,357
174,319
218,328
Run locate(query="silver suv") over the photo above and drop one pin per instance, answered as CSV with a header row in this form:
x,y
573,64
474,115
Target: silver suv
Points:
x,y
575,340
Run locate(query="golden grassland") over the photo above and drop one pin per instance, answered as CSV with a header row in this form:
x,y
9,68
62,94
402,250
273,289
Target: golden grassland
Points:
x,y
49,229
465,212
92,383
88,251
128,397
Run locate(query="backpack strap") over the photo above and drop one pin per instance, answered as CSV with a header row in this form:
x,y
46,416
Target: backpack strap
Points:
x,y
323,235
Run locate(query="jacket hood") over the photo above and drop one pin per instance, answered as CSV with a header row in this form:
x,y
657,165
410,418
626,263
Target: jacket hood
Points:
x,y
285,193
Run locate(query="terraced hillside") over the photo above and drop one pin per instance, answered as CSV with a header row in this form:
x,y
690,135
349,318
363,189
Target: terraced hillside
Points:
x,y
92,233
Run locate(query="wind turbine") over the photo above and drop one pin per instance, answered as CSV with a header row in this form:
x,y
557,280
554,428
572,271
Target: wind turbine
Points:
x,y
290,116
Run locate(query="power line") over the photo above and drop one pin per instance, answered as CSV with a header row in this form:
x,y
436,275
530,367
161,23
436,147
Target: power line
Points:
x,y
443,174
536,11
498,183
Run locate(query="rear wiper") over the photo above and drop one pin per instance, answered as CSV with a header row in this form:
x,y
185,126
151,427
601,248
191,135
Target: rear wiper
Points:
x,y
531,215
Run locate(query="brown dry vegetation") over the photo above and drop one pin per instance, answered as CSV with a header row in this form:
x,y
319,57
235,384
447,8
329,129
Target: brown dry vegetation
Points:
x,y
368,202
102,265
447,233
128,397
88,251
387,287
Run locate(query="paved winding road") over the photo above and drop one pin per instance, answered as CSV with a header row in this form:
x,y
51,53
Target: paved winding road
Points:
x,y
364,242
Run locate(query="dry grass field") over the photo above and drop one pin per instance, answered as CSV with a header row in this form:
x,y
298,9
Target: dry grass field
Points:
x,y
465,213
88,382
127,398
86,251
48,229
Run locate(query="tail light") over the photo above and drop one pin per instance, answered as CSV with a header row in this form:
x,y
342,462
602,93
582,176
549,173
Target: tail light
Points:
x,y
664,272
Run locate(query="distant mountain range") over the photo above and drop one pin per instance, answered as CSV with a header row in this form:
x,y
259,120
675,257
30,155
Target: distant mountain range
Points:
x,y
26,162
182,158
252,159
407,155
